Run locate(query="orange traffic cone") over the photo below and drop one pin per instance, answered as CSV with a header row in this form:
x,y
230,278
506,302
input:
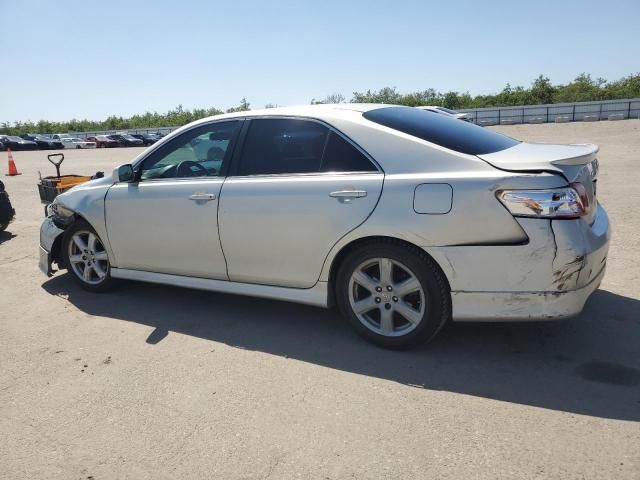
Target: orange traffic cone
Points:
x,y
13,171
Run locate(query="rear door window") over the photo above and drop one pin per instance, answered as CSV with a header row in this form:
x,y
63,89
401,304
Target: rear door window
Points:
x,y
448,132
282,146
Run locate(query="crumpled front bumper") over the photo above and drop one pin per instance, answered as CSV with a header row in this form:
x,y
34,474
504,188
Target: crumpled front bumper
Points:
x,y
550,277
49,233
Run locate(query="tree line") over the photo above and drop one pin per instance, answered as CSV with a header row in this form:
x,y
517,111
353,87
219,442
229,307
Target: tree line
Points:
x,y
583,88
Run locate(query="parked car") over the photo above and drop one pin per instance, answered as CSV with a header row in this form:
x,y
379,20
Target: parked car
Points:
x,y
126,140
147,138
44,143
74,142
60,136
6,209
17,143
402,218
467,117
103,141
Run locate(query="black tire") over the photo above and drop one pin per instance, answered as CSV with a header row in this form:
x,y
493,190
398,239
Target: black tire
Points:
x,y
437,310
3,226
103,285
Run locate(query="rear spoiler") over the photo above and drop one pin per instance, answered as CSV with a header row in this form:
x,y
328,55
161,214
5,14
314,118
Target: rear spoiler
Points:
x,y
583,159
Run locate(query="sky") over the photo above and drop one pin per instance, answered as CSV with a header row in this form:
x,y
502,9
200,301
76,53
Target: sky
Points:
x,y
69,59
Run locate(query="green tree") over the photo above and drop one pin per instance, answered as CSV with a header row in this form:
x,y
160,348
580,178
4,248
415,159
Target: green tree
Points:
x,y
243,107
333,98
541,90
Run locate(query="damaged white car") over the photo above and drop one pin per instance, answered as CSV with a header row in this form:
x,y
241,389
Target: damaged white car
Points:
x,y
400,217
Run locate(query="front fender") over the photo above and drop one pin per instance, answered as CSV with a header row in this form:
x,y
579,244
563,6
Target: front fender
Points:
x,y
87,201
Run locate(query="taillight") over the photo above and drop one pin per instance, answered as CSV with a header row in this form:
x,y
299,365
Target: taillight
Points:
x,y
567,202
582,192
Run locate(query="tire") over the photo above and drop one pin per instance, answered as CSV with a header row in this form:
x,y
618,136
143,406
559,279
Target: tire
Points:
x,y
406,310
93,257
3,226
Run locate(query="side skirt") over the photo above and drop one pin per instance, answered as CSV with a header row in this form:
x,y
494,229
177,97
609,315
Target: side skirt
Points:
x,y
316,295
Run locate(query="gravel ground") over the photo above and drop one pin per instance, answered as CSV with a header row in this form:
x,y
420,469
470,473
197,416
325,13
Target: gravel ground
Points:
x,y
159,382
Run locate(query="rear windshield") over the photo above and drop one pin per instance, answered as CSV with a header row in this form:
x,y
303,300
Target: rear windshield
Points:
x,y
445,131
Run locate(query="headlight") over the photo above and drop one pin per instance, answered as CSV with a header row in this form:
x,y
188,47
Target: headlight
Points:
x,y
60,211
552,203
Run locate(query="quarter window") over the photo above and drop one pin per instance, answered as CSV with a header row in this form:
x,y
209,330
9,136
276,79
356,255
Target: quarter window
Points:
x,y
277,146
199,152
341,156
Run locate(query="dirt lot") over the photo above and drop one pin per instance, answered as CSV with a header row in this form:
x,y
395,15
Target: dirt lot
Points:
x,y
159,382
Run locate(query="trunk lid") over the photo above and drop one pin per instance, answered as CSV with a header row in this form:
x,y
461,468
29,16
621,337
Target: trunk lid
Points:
x,y
578,163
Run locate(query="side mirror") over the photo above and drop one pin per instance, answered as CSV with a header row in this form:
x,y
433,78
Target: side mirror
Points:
x,y
123,173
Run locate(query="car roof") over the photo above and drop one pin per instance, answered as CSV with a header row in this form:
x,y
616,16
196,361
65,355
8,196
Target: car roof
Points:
x,y
351,112
315,111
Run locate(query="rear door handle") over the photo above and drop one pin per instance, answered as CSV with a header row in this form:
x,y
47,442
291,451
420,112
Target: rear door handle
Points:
x,y
348,194
202,197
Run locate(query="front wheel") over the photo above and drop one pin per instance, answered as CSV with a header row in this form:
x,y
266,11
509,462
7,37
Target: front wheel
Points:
x,y
86,258
392,294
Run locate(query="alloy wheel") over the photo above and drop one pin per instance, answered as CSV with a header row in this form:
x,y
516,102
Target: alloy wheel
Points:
x,y
88,257
386,297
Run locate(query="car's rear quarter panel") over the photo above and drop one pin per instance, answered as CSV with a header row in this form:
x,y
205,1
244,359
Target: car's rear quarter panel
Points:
x,y
476,217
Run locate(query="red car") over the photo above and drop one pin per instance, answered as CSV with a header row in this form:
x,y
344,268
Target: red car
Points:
x,y
102,141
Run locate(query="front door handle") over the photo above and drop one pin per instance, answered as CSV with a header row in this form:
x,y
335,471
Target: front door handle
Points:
x,y
202,197
348,194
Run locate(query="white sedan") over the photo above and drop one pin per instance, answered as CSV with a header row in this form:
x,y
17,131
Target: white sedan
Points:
x,y
402,218
75,142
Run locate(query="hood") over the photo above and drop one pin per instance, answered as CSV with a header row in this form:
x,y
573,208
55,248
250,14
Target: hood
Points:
x,y
85,193
91,185
98,182
576,163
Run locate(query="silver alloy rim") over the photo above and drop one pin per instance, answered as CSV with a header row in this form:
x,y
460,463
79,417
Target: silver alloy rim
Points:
x,y
88,258
387,297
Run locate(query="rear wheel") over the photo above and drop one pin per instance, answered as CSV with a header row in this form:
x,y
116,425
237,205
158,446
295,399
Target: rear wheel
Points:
x,y
86,258
393,295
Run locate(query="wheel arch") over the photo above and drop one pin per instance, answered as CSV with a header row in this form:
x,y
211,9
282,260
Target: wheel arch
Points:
x,y
56,247
353,245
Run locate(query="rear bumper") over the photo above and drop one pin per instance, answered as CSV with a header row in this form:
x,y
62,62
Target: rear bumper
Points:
x,y
550,277
522,306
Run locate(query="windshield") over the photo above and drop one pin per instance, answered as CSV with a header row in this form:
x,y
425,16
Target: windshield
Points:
x,y
448,132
